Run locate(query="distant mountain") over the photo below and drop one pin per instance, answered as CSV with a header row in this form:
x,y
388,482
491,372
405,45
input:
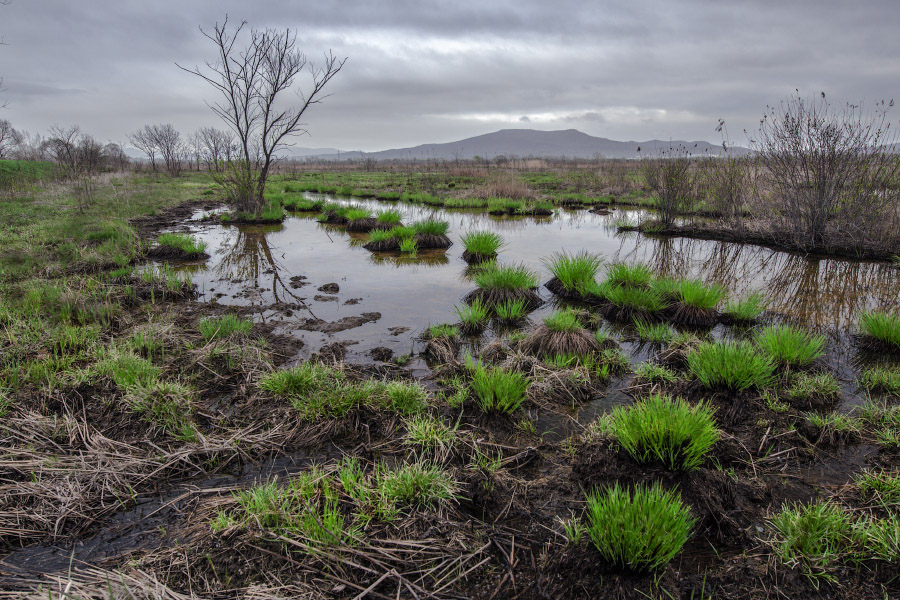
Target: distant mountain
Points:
x,y
524,143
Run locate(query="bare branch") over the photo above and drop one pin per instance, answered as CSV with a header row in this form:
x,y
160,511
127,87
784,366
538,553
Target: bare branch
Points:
x,y
251,84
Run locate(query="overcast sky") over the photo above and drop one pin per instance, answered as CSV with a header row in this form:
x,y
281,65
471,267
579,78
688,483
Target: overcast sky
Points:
x,y
421,71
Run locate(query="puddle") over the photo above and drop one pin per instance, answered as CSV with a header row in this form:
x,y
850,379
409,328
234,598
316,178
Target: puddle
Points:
x,y
288,263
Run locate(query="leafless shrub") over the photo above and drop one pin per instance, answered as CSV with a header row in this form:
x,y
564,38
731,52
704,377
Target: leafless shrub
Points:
x,y
671,178
831,172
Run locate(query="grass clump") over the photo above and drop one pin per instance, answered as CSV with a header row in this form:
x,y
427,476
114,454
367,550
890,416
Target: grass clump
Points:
x,y
317,390
629,275
655,333
389,217
511,311
881,379
127,370
502,283
496,389
881,329
696,294
789,345
225,326
417,484
473,317
432,227
635,299
745,310
821,386
655,373
307,508
641,530
573,271
562,321
354,214
428,432
669,430
481,245
185,244
813,536
736,366
409,246
166,405
561,334
297,381
493,276
881,486
443,330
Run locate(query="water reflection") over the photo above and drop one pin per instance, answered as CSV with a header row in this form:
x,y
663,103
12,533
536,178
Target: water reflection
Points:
x,y
425,258
246,256
820,292
416,291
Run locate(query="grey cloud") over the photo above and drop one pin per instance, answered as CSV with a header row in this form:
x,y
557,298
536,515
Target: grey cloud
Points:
x,y
417,68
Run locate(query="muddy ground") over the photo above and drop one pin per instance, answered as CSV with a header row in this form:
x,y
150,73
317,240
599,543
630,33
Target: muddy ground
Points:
x,y
125,498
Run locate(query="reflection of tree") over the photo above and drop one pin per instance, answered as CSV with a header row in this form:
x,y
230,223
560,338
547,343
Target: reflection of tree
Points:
x,y
824,292
248,257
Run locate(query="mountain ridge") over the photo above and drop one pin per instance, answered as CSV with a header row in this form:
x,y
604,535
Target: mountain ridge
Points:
x,y
534,143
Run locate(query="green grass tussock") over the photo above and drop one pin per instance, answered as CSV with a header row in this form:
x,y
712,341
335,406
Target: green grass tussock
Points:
x,y
574,271
214,328
639,530
184,243
813,536
789,345
669,430
562,321
496,389
482,243
746,309
882,328
696,294
736,366
628,275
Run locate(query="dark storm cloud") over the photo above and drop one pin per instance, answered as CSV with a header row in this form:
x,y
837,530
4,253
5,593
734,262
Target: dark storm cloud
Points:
x,y
438,71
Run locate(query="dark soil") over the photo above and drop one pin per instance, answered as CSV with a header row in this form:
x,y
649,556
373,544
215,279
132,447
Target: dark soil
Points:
x,y
474,258
172,253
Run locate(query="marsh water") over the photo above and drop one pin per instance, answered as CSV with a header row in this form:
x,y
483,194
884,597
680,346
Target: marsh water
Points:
x,y
280,268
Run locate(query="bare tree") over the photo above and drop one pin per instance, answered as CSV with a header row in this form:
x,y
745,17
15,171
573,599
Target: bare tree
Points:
x,y
163,140
9,139
168,140
81,158
116,156
252,83
30,147
144,140
218,146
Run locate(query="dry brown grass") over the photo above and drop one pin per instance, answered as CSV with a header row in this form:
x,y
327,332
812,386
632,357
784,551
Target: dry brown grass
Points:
x,y
545,342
